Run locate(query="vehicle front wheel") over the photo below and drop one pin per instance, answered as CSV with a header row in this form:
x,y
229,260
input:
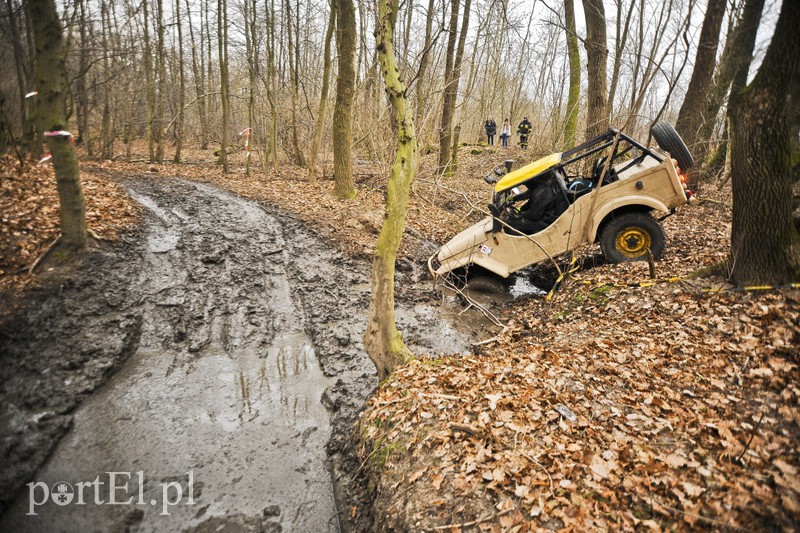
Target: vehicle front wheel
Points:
x,y
627,237
486,289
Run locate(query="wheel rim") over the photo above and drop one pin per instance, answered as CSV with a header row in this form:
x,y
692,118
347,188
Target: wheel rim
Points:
x,y
633,241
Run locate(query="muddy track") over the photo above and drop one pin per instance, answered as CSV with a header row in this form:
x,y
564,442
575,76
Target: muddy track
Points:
x,y
233,334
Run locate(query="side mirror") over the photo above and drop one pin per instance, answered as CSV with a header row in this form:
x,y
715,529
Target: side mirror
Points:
x,y
508,163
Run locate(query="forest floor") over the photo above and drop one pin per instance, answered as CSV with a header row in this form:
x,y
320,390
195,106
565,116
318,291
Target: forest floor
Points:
x,y
621,403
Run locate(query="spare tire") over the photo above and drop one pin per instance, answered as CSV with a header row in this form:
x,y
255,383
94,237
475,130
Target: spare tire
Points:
x,y
669,141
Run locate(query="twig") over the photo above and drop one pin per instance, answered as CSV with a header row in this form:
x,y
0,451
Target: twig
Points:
x,y
462,525
465,428
752,434
487,341
44,254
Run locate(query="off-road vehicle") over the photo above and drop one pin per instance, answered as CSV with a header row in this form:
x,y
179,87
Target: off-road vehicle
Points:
x,y
603,190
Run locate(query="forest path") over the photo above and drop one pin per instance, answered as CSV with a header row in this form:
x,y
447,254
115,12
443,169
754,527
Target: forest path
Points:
x,y
246,363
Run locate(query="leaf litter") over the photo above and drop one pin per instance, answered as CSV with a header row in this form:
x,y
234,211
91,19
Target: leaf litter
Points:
x,y
613,406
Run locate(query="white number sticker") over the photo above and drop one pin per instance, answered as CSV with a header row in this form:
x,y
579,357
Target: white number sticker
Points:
x,y
485,249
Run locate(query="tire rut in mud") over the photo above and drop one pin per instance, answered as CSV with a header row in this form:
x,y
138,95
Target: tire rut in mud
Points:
x,y
238,321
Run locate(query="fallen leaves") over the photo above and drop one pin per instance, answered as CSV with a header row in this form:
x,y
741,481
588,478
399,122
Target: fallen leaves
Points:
x,y
29,214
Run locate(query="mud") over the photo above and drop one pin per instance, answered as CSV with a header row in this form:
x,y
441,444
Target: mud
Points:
x,y
217,354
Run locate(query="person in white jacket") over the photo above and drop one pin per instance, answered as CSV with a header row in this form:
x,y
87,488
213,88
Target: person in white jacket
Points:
x,y
505,132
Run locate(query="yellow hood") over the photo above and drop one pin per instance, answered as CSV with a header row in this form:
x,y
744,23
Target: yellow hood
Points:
x,y
512,179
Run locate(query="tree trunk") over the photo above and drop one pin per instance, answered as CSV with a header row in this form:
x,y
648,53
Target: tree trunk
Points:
x,y
573,101
294,66
765,247
82,96
161,63
344,186
53,84
151,87
323,97
596,60
222,35
423,67
382,341
270,83
690,119
619,46
734,66
106,135
449,100
182,89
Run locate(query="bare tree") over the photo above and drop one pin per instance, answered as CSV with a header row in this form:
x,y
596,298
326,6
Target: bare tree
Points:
x,y
345,91
690,119
597,58
571,122
383,342
323,97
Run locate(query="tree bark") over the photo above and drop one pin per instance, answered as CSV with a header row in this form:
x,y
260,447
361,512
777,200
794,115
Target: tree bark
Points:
x,y
423,67
596,60
573,100
181,89
382,341
734,66
323,97
222,36
445,126
151,87
344,186
53,85
765,247
690,119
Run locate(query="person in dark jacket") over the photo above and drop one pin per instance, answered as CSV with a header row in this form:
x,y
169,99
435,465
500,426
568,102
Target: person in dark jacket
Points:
x,y
491,129
523,130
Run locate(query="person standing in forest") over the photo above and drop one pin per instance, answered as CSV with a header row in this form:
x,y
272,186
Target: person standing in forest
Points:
x,y
491,129
523,130
505,132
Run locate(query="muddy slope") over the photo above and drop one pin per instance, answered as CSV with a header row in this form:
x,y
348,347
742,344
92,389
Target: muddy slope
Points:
x,y
242,335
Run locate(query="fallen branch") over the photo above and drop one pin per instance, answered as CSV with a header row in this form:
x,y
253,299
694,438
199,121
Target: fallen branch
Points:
x,y
462,525
464,428
44,254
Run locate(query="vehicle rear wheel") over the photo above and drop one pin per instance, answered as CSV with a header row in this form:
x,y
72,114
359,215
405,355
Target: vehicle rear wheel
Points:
x,y
670,141
627,237
486,288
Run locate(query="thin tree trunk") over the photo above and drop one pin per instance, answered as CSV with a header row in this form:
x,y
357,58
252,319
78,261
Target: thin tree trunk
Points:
x,y
161,62
448,104
323,97
82,96
107,139
151,88
382,341
53,84
596,60
734,63
423,67
222,35
690,119
344,186
294,64
619,47
270,83
182,88
765,247
573,100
